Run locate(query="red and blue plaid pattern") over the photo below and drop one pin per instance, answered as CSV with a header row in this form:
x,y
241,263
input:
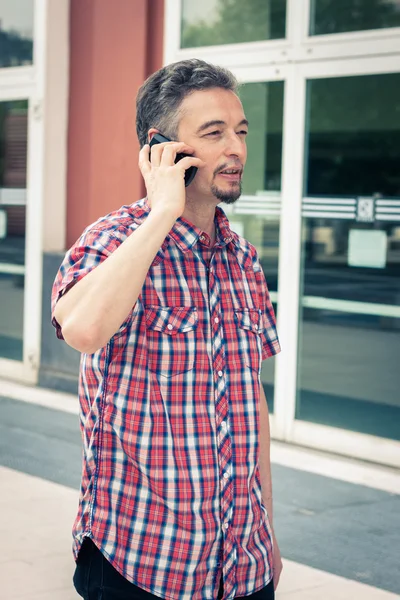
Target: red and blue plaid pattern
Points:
x,y
171,490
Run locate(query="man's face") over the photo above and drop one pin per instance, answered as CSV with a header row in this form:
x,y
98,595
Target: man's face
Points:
x,y
213,123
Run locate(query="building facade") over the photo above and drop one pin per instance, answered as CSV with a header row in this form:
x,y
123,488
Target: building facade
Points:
x,y
320,85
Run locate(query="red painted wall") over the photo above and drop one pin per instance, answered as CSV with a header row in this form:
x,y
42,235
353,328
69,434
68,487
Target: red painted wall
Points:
x,y
111,55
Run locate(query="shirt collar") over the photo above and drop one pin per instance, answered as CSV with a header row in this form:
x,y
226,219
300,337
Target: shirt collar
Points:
x,y
186,235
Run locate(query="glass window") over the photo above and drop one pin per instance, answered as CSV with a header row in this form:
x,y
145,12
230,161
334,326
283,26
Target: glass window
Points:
x,y
16,32
263,107
338,16
349,337
353,142
13,160
348,374
216,22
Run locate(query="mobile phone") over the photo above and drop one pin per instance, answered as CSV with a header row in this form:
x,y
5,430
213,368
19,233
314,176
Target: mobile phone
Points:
x,y
158,138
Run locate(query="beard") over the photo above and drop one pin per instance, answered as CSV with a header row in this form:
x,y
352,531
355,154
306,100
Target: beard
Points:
x,y
228,197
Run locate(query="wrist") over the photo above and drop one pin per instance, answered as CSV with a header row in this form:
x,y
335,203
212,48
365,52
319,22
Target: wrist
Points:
x,y
162,218
164,215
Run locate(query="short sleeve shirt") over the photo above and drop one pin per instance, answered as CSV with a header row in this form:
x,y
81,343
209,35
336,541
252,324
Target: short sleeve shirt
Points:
x,y
171,490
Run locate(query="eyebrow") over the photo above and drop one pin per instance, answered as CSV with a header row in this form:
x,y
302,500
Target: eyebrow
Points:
x,y
216,122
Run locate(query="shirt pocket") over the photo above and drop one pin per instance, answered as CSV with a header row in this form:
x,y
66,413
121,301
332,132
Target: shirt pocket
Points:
x,y
250,328
171,339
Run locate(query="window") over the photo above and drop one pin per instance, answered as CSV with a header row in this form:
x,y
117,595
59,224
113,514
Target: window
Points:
x,y
217,22
338,16
13,161
16,33
354,136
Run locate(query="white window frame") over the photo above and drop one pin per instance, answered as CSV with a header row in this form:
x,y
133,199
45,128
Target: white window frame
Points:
x,y
295,60
33,83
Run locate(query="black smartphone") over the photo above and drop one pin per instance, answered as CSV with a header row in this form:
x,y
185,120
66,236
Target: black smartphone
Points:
x,y
190,172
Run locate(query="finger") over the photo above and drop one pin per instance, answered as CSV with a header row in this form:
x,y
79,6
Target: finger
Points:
x,y
170,152
168,156
277,576
144,163
190,161
155,154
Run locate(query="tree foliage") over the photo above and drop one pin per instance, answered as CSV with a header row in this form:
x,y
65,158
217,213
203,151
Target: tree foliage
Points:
x,y
238,21
14,49
252,20
338,16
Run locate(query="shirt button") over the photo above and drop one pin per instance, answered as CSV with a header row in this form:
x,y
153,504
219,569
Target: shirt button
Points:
x,y
202,238
226,525
226,475
220,373
216,320
223,424
169,326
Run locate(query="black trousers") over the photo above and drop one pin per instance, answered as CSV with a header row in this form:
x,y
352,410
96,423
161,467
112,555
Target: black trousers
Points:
x,y
96,579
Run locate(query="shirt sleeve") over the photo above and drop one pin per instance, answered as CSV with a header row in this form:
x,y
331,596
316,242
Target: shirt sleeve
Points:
x,y
269,334
91,249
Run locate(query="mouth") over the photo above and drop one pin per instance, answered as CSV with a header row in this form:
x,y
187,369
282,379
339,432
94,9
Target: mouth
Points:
x,y
233,174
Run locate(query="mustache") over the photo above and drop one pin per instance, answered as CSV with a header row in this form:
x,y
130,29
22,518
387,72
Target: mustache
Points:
x,y
237,165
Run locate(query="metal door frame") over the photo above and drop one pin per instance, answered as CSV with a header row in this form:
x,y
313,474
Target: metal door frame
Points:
x,y
26,83
294,60
44,85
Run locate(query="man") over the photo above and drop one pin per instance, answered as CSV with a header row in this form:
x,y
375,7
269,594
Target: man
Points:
x,y
171,312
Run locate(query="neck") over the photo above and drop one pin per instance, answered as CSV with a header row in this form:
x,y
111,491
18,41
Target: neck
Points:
x,y
202,216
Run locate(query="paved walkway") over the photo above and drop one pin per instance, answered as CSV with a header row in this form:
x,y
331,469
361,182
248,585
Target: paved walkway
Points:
x,y
36,514
36,561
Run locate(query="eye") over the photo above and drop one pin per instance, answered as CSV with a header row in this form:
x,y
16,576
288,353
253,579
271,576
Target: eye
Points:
x,y
243,132
214,133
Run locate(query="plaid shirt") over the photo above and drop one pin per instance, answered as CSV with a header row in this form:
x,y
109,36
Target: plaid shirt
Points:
x,y
171,490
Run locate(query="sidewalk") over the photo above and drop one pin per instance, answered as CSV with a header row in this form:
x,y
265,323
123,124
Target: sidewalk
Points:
x,y
36,514
36,560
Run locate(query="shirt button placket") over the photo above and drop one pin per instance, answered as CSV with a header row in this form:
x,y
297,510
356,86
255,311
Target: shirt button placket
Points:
x,y
222,420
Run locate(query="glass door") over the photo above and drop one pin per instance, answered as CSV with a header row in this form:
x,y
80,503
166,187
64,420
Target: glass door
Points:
x,y
321,93
13,163
256,215
22,87
349,327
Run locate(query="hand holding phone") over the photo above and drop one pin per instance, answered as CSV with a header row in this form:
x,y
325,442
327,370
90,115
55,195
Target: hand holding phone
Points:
x,y
158,138
164,179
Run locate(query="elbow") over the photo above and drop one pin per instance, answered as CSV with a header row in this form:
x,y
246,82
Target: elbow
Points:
x,y
83,339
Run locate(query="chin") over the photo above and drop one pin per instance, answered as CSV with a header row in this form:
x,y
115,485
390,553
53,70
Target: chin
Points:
x,y
227,196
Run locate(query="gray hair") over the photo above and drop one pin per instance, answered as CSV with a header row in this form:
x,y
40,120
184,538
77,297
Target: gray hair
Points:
x,y
161,95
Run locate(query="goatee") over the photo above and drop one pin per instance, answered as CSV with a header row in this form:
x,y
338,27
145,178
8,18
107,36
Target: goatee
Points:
x,y
228,197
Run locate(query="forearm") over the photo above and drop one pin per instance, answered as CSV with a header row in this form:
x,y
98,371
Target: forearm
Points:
x,y
265,460
94,308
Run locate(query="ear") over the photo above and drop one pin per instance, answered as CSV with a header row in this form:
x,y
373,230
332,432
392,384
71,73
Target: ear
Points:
x,y
151,133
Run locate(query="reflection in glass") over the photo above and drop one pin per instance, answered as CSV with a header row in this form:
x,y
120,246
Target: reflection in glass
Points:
x,y
353,142
348,373
263,233
16,32
326,263
215,22
263,107
338,16
13,157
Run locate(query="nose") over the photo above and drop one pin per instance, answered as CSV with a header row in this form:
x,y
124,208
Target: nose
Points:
x,y
235,146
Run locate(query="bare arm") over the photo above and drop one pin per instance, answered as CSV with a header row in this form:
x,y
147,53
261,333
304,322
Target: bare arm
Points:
x,y
95,307
92,311
266,480
265,459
